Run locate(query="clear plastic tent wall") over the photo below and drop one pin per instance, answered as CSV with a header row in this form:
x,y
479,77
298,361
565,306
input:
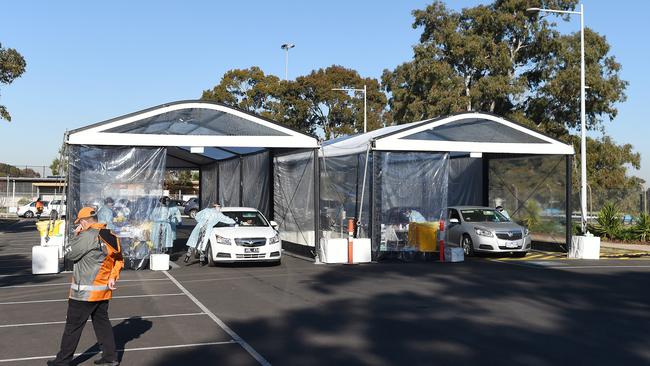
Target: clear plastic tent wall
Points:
x,y
132,177
532,190
293,204
410,190
344,194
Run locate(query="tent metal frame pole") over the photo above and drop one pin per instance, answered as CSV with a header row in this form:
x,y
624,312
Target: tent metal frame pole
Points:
x,y
569,204
316,206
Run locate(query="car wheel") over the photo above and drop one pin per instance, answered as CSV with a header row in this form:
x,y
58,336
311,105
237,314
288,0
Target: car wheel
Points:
x,y
519,254
29,214
467,245
208,253
193,214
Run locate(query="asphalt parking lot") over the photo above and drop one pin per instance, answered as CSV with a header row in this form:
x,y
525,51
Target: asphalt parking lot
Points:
x,y
483,311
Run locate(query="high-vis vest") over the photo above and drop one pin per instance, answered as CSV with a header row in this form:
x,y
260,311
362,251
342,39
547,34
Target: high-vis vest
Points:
x,y
97,257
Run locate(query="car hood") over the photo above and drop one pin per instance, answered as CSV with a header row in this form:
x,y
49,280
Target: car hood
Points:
x,y
245,232
498,226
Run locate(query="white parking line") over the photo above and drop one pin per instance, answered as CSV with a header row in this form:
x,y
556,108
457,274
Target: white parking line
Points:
x,y
112,319
68,283
123,350
220,323
599,267
61,300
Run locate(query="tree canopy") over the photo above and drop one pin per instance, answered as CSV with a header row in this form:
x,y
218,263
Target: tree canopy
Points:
x,y
308,104
12,65
502,59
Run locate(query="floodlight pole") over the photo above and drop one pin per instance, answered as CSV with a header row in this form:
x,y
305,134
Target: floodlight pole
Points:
x,y
365,103
286,47
583,127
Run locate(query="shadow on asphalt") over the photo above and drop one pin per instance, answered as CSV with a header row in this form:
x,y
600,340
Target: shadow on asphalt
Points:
x,y
452,314
126,331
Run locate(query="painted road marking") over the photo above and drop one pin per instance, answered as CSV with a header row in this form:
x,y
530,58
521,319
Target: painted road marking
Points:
x,y
220,323
539,255
124,350
68,283
112,319
61,300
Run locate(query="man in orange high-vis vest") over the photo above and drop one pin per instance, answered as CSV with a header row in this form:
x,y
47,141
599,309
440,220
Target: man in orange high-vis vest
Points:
x,y
97,258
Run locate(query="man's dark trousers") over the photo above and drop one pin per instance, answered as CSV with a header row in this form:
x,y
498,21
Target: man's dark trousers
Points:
x,y
78,313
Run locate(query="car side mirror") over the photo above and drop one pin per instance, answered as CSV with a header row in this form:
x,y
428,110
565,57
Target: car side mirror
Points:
x,y
454,221
274,225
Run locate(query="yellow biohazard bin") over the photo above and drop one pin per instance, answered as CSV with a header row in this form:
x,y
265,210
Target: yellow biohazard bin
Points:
x,y
423,235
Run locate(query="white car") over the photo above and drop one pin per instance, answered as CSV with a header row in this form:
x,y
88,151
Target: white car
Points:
x,y
29,210
58,206
251,239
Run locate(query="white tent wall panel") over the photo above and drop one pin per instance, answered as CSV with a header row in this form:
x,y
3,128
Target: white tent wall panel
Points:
x,y
128,139
481,147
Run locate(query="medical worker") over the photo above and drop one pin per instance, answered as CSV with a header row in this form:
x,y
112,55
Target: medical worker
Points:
x,y
163,231
206,219
105,215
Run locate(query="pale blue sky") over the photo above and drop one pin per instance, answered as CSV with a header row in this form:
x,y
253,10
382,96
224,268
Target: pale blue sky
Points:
x,y
88,61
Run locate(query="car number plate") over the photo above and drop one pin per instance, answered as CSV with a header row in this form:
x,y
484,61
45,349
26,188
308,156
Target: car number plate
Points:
x,y
511,244
251,250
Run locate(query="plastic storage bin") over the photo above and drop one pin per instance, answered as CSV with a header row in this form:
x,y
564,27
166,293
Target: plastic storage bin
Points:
x,y
159,262
45,260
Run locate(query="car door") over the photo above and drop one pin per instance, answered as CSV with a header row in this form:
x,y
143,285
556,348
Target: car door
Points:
x,y
454,230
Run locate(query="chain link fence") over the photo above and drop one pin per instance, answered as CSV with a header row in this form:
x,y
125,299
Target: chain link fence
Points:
x,y
629,202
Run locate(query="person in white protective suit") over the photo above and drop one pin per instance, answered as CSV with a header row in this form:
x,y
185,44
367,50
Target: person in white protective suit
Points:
x,y
206,219
163,231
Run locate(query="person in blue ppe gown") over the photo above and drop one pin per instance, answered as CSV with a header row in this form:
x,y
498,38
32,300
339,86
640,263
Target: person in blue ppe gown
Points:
x,y
165,219
206,219
105,214
415,216
175,218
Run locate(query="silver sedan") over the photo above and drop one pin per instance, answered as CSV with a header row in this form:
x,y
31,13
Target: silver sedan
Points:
x,y
484,229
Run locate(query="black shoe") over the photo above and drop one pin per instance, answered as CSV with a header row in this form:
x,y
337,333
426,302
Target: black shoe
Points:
x,y
103,361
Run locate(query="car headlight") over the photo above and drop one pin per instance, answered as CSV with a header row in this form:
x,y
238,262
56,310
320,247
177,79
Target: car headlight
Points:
x,y
222,240
483,232
274,240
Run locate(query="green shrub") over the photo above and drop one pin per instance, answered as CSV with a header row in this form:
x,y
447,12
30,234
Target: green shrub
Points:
x,y
626,234
608,224
641,229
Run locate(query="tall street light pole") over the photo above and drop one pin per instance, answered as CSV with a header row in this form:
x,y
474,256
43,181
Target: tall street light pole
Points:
x,y
365,103
583,127
286,47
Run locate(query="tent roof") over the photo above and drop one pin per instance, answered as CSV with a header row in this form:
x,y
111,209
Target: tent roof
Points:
x,y
191,123
463,132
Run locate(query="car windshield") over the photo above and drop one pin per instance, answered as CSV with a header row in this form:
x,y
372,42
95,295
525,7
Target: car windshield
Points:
x,y
483,215
246,218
